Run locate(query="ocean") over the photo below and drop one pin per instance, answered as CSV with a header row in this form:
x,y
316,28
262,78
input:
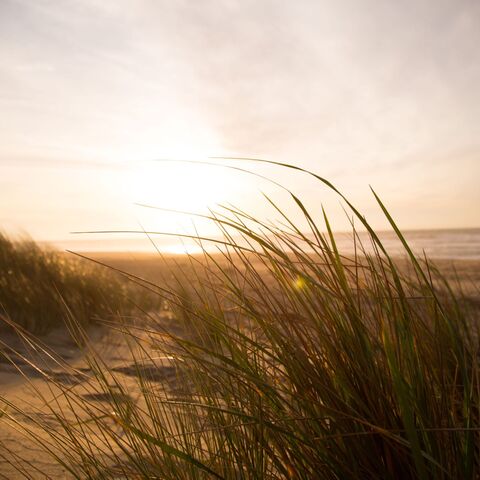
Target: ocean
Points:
x,y
459,244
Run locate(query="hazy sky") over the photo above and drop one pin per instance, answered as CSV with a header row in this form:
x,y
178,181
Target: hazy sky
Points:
x,y
380,93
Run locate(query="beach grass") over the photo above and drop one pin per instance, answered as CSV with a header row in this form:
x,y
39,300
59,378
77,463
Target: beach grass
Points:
x,y
40,287
286,359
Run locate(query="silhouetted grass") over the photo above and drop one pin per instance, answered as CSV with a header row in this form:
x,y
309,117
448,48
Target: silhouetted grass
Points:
x,y
38,287
292,361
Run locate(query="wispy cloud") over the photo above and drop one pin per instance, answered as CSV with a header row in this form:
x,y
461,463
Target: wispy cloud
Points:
x,y
350,88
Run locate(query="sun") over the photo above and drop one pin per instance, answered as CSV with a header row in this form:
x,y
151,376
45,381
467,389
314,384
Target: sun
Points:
x,y
182,190
186,185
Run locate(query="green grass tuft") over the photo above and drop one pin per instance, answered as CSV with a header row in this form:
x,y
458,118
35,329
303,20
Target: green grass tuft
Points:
x,y
293,361
40,288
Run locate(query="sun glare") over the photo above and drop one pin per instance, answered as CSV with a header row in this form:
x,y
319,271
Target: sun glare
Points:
x,y
179,188
178,185
182,249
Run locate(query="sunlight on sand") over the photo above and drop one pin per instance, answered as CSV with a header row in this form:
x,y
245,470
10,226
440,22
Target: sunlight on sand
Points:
x,y
181,249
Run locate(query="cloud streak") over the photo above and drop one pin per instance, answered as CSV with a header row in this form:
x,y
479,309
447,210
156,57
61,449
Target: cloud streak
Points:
x,y
352,89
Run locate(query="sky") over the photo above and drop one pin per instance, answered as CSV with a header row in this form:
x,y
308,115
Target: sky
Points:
x,y
372,93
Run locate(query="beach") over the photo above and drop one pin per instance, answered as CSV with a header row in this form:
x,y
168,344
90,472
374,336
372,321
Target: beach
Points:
x,y
34,378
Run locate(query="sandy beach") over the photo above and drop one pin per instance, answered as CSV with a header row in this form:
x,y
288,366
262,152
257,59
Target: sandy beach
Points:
x,y
31,377
38,372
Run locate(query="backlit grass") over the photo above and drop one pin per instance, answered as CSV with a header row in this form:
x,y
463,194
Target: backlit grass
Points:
x,y
287,359
40,287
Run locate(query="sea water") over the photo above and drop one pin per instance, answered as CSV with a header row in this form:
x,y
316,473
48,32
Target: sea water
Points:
x,y
460,244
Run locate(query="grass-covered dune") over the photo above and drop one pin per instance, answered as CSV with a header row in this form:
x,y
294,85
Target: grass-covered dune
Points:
x,y
41,287
287,360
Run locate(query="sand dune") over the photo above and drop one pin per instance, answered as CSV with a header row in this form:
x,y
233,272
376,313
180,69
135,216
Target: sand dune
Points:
x,y
24,367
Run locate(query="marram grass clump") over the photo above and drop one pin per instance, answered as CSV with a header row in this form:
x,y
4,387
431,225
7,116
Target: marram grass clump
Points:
x,y
41,287
289,361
